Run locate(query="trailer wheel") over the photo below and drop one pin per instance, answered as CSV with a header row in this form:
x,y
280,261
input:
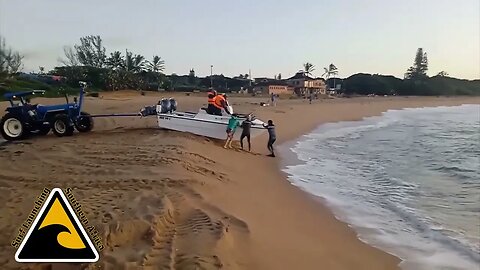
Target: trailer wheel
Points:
x,y
61,125
12,128
84,123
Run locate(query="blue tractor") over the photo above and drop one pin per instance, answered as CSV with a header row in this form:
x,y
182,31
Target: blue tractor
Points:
x,y
23,118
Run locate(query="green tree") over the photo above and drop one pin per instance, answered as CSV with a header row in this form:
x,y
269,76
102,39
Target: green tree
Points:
x,y
115,61
90,52
134,63
14,62
70,59
10,60
156,65
308,68
139,63
420,67
3,60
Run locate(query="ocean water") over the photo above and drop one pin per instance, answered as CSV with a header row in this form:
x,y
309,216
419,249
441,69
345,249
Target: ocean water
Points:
x,y
408,182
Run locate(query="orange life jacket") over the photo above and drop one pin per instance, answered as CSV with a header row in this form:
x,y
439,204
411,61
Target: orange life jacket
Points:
x,y
211,98
218,101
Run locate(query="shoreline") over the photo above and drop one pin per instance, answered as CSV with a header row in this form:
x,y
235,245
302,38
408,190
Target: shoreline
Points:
x,y
290,158
166,198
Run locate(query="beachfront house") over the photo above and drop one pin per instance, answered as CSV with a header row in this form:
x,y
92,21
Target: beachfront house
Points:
x,y
305,85
277,87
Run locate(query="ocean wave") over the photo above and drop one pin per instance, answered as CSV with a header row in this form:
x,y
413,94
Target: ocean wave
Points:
x,y
403,175
456,169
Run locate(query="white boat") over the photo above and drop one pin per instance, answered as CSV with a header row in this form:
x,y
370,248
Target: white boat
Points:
x,y
204,124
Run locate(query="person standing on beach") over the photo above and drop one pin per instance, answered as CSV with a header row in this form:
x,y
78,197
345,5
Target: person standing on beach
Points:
x,y
233,123
246,126
273,99
272,137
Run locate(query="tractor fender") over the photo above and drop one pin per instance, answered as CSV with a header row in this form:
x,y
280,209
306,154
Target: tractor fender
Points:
x,y
20,112
50,115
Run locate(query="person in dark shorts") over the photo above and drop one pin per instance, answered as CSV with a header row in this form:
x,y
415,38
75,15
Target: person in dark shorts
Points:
x,y
246,126
272,137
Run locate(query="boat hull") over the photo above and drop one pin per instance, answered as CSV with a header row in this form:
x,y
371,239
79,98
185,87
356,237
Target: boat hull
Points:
x,y
204,125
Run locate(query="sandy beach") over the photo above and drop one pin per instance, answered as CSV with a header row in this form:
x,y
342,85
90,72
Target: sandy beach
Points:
x,y
167,200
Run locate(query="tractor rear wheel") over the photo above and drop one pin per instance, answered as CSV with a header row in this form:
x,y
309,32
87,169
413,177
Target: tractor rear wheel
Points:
x,y
12,127
61,125
84,123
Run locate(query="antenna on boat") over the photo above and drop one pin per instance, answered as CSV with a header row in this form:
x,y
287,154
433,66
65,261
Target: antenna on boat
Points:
x,y
250,76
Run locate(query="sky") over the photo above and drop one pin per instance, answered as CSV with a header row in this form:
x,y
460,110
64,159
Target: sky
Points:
x,y
265,36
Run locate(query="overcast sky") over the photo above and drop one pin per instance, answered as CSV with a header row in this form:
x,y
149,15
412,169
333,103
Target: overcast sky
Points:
x,y
266,36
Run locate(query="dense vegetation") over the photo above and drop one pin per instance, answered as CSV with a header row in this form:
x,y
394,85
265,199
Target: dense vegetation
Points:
x,y
365,84
89,61
416,82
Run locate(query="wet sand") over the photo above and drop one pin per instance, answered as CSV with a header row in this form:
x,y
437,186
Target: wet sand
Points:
x,y
167,200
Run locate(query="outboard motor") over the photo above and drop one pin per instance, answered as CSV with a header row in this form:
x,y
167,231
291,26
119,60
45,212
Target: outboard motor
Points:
x,y
165,105
149,110
173,105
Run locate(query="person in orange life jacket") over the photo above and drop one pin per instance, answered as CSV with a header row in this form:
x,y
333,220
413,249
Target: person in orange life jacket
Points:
x,y
220,103
211,100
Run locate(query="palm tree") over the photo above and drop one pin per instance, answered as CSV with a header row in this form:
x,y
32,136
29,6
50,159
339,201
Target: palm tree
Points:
x,y
308,68
139,63
115,61
129,61
156,65
134,63
332,70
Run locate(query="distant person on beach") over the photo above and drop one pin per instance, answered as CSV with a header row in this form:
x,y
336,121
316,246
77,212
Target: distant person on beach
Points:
x,y
246,127
273,99
211,101
310,98
233,123
272,137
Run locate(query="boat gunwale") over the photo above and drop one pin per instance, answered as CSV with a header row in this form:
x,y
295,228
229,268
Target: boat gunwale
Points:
x,y
255,126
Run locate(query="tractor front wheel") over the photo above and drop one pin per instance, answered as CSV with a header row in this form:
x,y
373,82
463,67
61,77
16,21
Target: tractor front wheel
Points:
x,y
61,125
13,128
84,123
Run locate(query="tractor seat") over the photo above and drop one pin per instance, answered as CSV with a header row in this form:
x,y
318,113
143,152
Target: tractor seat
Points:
x,y
40,108
31,106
